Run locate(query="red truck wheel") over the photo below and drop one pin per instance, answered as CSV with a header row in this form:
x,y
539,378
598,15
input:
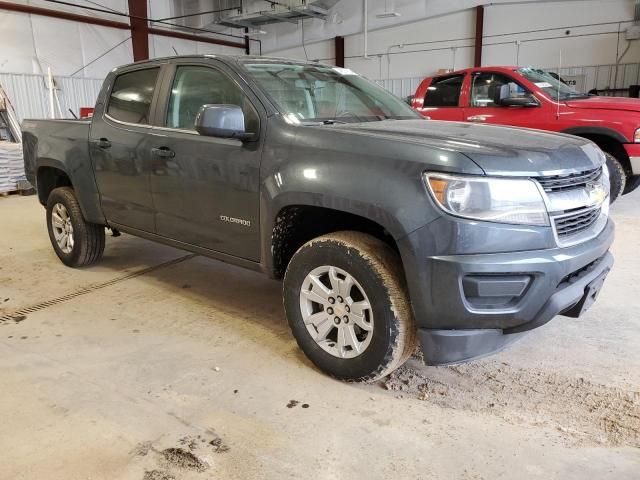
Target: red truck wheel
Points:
x,y
617,177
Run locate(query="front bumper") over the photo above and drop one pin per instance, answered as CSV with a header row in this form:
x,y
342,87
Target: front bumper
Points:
x,y
633,151
468,306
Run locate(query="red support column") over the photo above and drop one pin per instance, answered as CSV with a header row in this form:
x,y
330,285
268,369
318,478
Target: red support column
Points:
x,y
339,51
139,29
477,61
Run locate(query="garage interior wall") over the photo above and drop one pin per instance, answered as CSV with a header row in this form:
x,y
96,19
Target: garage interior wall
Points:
x,y
413,45
427,36
80,55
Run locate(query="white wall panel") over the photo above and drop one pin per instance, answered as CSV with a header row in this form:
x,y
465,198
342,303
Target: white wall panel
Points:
x,y
17,53
31,43
160,46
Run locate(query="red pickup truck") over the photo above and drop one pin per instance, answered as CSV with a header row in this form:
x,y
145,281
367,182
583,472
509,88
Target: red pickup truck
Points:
x,y
529,97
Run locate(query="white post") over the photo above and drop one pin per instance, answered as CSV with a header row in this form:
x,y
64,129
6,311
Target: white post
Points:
x,y
51,107
366,29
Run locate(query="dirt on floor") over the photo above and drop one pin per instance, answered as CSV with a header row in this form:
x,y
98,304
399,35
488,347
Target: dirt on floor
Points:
x,y
587,413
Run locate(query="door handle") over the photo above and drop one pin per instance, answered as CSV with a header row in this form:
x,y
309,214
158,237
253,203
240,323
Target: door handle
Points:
x,y
103,143
477,118
163,152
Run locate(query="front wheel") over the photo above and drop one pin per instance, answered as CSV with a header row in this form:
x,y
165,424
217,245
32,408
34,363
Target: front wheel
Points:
x,y
347,306
76,241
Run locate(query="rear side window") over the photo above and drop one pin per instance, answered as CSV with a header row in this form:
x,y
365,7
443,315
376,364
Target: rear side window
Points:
x,y
444,92
131,95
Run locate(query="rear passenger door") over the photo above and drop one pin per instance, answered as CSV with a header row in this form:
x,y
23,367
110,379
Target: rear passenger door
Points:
x,y
206,189
442,99
119,148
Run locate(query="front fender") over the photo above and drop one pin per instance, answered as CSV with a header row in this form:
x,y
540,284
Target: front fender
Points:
x,y
604,131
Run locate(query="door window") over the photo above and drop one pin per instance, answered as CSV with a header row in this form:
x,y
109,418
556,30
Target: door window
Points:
x,y
195,86
489,88
444,92
131,95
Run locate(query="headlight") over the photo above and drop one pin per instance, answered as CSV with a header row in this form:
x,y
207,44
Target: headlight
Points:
x,y
489,199
636,136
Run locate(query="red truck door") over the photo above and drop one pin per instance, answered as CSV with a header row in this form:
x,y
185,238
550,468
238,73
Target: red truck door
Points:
x,y
441,99
487,104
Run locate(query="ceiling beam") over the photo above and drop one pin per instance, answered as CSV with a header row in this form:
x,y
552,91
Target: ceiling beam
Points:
x,y
196,38
22,8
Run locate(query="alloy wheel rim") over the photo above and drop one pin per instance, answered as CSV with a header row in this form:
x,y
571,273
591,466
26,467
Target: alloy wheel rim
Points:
x,y
62,228
336,311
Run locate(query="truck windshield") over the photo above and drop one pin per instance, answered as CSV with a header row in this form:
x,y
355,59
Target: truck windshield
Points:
x,y
322,94
550,85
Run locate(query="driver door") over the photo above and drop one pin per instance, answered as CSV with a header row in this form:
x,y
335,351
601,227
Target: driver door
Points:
x,y
487,89
206,189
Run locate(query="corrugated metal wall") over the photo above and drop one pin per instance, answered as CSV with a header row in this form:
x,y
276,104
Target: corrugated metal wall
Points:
x,y
30,96
401,87
604,76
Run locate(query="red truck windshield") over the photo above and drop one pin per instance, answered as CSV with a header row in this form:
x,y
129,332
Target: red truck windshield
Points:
x,y
550,85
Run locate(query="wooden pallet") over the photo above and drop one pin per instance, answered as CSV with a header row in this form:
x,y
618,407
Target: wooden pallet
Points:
x,y
24,193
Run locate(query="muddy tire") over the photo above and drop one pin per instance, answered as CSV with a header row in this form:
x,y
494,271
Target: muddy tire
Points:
x,y
617,177
76,242
347,305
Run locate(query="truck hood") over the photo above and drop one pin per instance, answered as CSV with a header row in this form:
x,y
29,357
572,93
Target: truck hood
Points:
x,y
496,150
606,103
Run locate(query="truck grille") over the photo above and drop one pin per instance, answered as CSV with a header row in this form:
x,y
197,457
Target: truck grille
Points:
x,y
575,222
557,183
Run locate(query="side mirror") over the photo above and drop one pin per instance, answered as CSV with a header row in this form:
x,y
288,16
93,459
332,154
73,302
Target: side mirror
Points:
x,y
525,101
223,121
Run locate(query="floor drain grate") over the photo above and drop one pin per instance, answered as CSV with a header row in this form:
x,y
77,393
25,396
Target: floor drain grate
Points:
x,y
19,315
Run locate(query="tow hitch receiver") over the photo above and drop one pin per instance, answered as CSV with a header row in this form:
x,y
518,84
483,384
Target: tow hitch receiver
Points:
x,y
591,292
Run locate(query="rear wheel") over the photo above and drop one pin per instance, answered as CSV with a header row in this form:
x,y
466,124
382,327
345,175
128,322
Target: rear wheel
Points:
x,y
347,306
76,241
617,177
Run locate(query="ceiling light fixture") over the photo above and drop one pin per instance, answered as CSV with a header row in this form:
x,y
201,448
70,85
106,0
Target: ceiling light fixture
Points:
x,y
255,32
388,15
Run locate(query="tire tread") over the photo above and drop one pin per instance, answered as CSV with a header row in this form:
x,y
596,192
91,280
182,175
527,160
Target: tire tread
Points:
x,y
88,237
387,265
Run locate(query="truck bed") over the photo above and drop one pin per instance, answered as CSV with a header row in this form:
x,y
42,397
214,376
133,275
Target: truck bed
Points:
x,y
53,140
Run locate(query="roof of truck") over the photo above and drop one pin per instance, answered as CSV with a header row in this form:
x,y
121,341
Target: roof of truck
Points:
x,y
498,68
234,58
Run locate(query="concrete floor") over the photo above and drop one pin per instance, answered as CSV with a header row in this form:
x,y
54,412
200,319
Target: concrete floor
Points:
x,y
188,370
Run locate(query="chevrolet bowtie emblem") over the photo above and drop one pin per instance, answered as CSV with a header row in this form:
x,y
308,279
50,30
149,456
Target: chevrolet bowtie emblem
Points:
x,y
596,193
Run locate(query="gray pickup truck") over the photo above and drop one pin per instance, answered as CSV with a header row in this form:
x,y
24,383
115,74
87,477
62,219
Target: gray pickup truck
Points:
x,y
387,229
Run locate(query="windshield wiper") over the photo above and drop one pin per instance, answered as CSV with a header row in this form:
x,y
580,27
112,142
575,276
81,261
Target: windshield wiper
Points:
x,y
575,96
311,123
